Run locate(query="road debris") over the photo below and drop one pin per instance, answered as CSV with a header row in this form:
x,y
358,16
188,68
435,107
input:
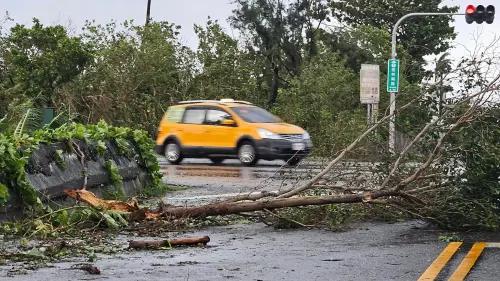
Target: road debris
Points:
x,y
169,243
91,269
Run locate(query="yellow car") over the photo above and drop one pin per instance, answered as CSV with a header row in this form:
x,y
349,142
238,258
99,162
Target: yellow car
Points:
x,y
226,129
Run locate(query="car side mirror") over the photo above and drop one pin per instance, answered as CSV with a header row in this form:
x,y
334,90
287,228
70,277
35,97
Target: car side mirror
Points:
x,y
228,122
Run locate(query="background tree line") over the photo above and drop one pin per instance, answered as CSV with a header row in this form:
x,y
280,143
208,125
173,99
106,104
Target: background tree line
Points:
x,y
300,59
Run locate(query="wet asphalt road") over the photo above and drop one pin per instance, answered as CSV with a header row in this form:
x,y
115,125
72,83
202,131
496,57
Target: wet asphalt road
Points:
x,y
211,183
254,251
369,251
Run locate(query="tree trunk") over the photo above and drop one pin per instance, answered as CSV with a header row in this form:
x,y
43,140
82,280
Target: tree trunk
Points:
x,y
223,208
240,207
273,95
441,95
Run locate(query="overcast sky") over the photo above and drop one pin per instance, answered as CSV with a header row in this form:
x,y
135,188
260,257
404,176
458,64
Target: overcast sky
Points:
x,y
188,12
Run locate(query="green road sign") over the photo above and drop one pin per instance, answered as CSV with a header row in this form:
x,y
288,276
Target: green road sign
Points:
x,y
393,75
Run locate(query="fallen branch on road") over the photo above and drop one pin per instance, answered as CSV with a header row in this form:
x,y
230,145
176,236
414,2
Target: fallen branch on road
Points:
x,y
224,208
169,243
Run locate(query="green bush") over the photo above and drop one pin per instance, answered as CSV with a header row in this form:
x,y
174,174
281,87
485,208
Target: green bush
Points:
x,y
16,150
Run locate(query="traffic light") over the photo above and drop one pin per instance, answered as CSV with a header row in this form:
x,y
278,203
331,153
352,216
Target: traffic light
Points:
x,y
490,14
470,12
479,14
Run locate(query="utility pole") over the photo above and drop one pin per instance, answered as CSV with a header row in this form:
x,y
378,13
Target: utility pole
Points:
x,y
478,14
393,74
148,12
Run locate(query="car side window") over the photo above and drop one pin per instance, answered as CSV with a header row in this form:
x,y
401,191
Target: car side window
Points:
x,y
194,116
215,116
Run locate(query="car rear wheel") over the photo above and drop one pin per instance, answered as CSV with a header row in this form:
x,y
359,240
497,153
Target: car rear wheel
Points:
x,y
294,161
247,154
173,153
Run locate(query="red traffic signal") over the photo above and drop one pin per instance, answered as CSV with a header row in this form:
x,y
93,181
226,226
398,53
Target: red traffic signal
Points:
x,y
470,10
479,14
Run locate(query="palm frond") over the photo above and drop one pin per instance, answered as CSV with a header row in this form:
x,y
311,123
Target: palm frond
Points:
x,y
31,120
62,118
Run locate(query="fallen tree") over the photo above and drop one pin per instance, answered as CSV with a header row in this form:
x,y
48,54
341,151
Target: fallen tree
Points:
x,y
224,208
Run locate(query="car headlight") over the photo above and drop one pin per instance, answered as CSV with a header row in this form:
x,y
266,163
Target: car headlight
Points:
x,y
306,136
265,134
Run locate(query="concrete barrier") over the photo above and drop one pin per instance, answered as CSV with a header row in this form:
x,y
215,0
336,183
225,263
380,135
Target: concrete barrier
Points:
x,y
49,178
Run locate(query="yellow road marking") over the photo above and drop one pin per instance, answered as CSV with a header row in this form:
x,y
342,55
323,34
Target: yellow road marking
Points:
x,y
468,262
433,270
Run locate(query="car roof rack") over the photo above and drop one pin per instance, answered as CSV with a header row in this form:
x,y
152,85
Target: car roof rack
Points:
x,y
243,102
198,101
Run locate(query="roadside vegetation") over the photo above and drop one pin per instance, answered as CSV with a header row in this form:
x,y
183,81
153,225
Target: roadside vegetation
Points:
x,y
301,61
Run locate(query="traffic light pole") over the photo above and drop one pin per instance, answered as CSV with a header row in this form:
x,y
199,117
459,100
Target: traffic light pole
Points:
x,y
392,126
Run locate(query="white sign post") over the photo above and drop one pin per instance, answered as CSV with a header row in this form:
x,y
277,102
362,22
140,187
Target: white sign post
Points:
x,y
370,89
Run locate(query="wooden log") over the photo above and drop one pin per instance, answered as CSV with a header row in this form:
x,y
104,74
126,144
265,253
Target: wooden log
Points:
x,y
166,243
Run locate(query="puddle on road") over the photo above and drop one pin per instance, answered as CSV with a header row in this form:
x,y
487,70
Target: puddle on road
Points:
x,y
234,172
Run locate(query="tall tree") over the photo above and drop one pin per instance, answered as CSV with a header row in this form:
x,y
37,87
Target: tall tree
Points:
x,y
420,36
443,67
226,69
40,59
134,77
276,31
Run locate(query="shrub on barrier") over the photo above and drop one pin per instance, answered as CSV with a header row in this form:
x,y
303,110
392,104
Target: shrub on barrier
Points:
x,y
15,152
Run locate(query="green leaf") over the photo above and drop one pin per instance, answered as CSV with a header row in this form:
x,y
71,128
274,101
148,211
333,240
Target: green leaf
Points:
x,y
4,194
110,221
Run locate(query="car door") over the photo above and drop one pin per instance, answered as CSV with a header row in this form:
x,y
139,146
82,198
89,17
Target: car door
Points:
x,y
192,129
223,138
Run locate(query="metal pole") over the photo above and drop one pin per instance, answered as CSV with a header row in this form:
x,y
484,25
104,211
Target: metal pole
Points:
x,y
148,12
392,127
369,114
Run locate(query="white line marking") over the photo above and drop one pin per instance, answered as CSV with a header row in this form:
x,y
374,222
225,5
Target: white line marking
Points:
x,y
493,245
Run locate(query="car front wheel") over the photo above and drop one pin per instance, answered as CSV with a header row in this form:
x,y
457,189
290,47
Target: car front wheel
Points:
x,y
247,154
173,153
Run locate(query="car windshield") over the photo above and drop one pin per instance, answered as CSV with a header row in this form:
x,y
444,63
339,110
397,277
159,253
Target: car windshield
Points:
x,y
255,114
